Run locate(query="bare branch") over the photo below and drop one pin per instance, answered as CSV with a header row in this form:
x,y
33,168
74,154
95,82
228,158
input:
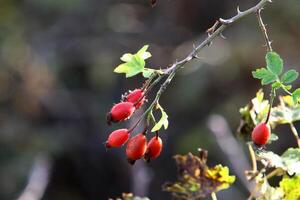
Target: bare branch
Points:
x,y
264,30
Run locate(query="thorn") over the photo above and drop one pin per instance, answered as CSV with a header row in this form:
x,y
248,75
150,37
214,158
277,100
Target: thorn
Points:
x,y
238,10
196,56
222,36
210,43
194,47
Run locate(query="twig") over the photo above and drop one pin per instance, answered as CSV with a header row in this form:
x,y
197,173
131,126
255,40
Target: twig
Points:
x,y
253,192
274,173
272,97
225,23
214,196
264,30
295,132
171,71
252,156
38,179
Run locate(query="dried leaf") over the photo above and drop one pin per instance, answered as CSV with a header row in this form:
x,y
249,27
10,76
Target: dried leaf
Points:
x,y
196,180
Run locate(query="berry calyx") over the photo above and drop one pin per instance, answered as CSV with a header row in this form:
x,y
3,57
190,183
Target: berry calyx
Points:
x,y
261,134
136,148
135,98
120,112
153,149
117,138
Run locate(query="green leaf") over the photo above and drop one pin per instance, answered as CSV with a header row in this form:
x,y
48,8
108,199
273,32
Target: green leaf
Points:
x,y
287,87
286,112
163,120
274,63
289,76
276,85
269,79
266,76
273,138
260,73
134,64
143,53
291,187
289,161
133,67
126,57
296,95
148,72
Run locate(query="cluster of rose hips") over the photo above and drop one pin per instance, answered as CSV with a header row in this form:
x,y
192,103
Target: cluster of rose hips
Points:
x,y
137,147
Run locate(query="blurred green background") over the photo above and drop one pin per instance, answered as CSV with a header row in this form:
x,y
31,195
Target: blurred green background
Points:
x,y
57,83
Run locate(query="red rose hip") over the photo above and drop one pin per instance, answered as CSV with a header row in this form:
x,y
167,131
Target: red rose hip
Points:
x,y
261,134
135,98
120,112
117,138
154,148
136,148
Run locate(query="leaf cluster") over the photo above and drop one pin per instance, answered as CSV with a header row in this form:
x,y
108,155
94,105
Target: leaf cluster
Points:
x,y
273,74
196,180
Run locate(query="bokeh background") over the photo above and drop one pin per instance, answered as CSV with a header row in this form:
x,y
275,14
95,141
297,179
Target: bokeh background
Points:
x,y
57,83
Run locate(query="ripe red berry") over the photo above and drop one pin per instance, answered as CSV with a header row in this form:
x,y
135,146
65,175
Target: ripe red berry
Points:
x,y
154,148
261,134
120,112
135,96
117,138
136,148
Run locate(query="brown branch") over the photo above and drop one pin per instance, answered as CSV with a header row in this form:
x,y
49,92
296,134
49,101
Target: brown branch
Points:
x,y
171,71
264,30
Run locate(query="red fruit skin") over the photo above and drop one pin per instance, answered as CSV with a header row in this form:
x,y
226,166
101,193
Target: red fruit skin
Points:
x,y
153,149
117,138
121,112
136,148
261,134
135,96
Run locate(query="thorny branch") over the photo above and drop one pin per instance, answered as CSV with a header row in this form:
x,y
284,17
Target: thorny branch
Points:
x,y
213,32
264,30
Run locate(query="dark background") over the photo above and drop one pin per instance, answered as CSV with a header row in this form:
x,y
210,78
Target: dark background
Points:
x,y
57,83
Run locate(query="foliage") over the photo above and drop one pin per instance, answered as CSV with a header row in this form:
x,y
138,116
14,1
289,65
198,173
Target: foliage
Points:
x,y
289,161
268,192
252,114
286,112
163,120
135,64
271,74
196,180
291,187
